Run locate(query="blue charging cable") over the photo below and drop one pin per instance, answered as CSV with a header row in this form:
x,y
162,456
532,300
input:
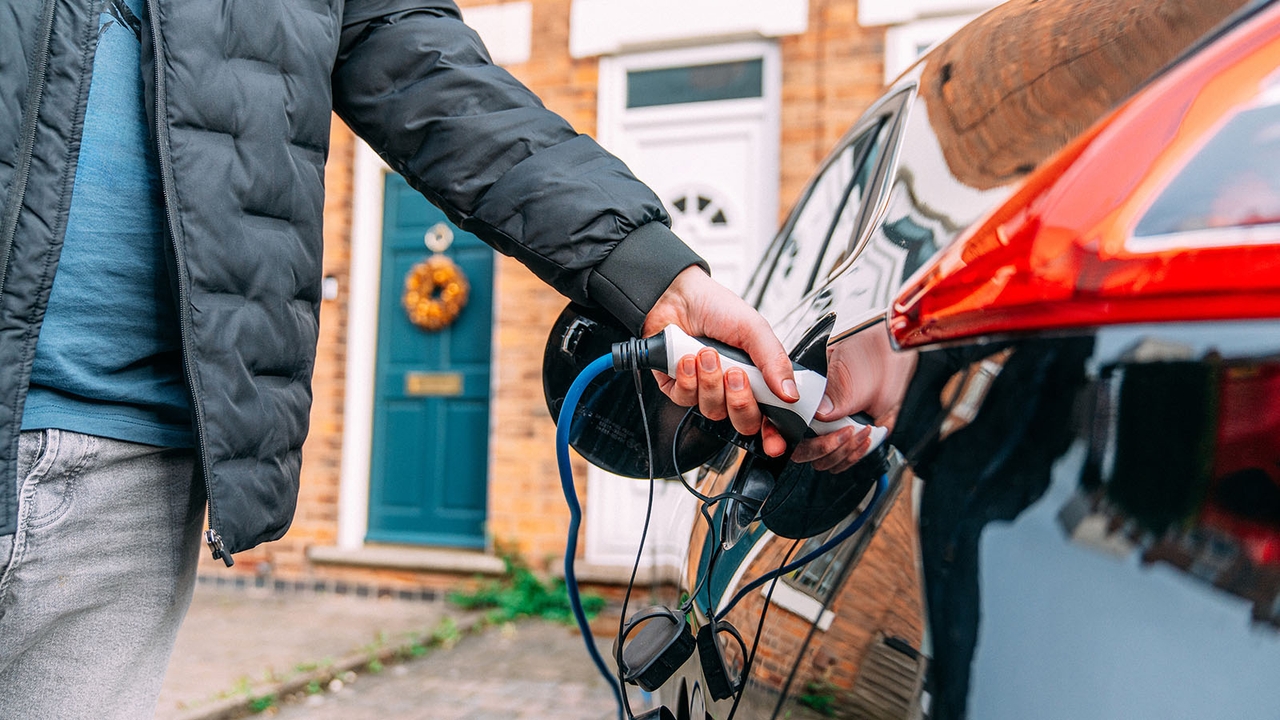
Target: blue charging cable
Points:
x,y
565,419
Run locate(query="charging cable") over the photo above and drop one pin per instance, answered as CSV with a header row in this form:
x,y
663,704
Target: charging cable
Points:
x,y
654,354
597,368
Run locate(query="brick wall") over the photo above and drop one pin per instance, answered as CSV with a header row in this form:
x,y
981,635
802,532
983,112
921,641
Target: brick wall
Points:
x,y
526,507
830,75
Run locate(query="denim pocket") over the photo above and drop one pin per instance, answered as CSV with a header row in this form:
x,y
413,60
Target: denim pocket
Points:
x,y
50,485
32,447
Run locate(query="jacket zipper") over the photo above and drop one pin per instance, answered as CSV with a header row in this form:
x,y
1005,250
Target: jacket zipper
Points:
x,y
211,536
10,229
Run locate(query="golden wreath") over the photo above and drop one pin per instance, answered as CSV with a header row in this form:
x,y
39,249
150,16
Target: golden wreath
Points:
x,y
435,291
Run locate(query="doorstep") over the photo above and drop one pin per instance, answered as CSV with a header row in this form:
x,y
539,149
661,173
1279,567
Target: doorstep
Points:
x,y
465,562
646,574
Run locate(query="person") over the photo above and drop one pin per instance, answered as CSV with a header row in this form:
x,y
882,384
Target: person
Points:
x,y
161,169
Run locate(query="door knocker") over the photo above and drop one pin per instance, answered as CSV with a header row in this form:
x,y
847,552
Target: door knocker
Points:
x,y
435,290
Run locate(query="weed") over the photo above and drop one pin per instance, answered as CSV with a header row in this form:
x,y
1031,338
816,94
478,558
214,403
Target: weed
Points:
x,y
519,594
446,634
262,703
820,696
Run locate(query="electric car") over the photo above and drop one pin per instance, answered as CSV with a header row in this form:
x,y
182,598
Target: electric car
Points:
x,y
1052,249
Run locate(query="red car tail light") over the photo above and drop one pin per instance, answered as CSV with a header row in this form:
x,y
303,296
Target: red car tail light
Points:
x,y
1077,245
1185,457
1244,489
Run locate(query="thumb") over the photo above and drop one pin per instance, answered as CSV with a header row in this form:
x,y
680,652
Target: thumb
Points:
x,y
768,355
843,396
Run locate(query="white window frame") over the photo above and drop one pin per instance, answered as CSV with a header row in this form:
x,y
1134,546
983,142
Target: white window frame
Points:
x,y
903,43
606,27
897,12
612,110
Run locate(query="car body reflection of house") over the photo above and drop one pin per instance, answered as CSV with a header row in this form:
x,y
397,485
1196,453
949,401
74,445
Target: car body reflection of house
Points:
x,y
1097,521
843,634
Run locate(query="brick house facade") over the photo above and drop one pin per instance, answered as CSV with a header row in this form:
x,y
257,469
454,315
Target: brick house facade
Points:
x,y
832,58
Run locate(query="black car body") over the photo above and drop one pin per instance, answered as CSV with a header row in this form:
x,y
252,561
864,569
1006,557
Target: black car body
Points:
x,y
1082,508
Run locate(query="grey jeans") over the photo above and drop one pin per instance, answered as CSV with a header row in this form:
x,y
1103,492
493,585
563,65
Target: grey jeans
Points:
x,y
98,576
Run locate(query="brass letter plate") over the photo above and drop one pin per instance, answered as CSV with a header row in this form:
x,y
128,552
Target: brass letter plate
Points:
x,y
426,384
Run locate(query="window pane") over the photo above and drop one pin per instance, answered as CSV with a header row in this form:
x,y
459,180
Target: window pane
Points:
x,y
1234,181
695,83
843,236
827,217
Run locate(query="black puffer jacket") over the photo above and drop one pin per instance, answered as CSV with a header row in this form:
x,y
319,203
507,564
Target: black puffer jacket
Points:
x,y
240,95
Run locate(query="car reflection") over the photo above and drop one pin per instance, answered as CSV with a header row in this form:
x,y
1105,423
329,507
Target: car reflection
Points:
x,y
839,637
1099,541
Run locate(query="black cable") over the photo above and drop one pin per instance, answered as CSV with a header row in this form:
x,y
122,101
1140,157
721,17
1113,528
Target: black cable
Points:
x,y
712,557
644,533
675,458
881,487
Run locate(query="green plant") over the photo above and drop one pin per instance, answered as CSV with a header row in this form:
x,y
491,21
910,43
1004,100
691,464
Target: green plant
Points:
x,y
261,703
520,593
446,634
820,696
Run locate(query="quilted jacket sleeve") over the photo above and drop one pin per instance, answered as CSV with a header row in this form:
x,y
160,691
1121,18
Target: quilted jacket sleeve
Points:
x,y
418,85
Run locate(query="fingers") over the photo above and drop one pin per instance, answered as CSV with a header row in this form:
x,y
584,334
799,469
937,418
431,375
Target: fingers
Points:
x,y
684,390
771,440
835,452
711,402
741,404
701,380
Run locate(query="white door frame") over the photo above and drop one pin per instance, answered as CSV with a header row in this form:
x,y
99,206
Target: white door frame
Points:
x,y
613,116
675,510
368,187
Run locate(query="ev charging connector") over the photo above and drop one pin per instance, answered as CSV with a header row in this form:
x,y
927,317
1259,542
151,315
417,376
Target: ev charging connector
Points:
x,y
722,681
663,351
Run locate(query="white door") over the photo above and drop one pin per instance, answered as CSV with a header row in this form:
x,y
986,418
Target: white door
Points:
x,y
701,127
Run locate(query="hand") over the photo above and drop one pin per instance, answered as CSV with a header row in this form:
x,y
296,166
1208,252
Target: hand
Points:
x,y
864,374
703,307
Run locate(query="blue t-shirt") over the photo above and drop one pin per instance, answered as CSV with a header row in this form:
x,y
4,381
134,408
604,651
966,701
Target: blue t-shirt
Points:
x,y
108,361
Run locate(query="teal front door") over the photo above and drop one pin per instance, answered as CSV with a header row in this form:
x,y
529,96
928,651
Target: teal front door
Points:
x,y
429,475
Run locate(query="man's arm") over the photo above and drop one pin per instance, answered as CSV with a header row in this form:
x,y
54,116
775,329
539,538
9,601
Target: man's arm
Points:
x,y
418,85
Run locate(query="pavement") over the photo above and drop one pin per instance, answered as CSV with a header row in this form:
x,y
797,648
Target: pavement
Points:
x,y
314,655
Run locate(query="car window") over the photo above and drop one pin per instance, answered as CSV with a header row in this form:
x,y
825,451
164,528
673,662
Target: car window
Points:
x,y
843,236
1232,182
805,238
